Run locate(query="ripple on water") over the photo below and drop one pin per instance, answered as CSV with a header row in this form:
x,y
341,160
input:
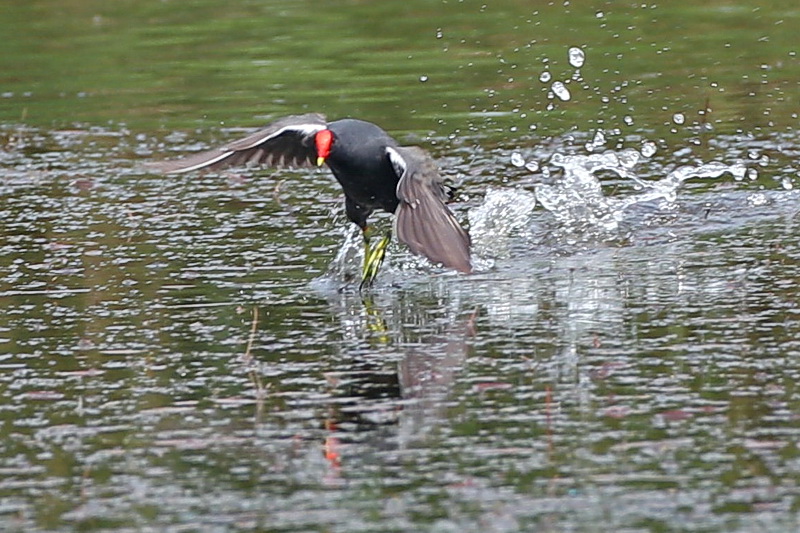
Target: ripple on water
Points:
x,y
575,373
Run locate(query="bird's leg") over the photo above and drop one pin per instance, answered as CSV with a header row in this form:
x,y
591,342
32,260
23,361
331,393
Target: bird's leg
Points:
x,y
373,257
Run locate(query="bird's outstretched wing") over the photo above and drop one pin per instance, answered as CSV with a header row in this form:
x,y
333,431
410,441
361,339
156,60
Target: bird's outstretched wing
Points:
x,y
287,142
422,220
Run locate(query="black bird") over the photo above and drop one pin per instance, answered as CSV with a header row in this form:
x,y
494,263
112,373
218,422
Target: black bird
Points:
x,y
374,172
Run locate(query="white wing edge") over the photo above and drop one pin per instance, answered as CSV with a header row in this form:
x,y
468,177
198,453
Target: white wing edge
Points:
x,y
221,156
306,129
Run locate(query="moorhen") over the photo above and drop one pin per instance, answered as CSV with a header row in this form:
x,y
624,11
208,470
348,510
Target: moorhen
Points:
x,y
374,172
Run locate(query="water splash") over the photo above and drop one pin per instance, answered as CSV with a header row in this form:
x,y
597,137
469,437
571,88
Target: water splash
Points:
x,y
502,213
576,200
345,266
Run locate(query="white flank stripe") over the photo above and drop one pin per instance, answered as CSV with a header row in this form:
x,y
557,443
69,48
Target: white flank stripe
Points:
x,y
398,163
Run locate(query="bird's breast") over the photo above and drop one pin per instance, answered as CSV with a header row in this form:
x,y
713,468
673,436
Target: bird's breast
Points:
x,y
372,186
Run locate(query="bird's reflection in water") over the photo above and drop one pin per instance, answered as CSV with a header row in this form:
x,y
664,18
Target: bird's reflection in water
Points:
x,y
394,400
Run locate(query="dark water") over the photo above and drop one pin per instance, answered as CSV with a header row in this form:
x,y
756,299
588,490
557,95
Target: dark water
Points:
x,y
182,354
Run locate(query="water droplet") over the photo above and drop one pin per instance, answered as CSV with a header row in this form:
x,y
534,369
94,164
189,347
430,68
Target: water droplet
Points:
x,y
764,161
678,118
757,199
517,160
752,174
423,78
739,171
576,57
628,120
561,91
787,183
439,33
649,148
628,158
533,166
599,14
598,140
545,76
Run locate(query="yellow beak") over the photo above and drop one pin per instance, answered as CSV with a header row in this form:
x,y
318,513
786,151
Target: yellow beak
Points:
x,y
320,161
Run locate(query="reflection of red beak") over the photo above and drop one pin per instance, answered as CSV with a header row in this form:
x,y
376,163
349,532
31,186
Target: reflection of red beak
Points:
x,y
331,446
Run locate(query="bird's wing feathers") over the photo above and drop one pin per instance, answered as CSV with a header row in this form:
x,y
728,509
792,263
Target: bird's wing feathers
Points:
x,y
422,220
287,142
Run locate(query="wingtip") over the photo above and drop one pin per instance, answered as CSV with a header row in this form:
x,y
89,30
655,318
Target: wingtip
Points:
x,y
462,264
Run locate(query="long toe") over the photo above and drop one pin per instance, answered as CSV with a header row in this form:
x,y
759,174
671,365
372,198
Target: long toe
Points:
x,y
373,259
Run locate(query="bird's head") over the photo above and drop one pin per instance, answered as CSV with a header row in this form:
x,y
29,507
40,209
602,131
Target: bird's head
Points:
x,y
324,141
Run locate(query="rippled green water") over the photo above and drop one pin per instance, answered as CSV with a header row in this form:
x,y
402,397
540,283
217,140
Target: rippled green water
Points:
x,y
181,354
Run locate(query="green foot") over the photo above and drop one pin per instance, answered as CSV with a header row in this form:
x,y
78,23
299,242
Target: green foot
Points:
x,y
373,259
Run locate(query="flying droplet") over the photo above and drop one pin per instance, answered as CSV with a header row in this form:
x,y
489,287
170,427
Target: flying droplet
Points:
x,y
423,78
517,160
739,171
628,120
533,166
649,148
678,118
787,183
561,91
752,174
576,57
545,76
628,158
